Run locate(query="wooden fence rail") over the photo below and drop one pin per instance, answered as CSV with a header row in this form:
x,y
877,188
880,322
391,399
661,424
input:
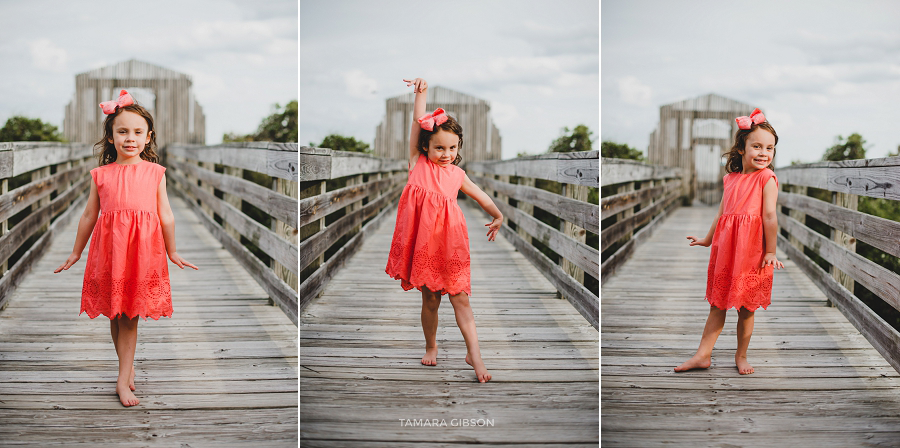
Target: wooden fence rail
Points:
x,y
361,187
847,181
576,172
653,189
48,181
200,171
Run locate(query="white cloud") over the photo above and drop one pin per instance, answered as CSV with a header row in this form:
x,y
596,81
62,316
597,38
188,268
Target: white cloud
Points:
x,y
359,85
503,114
45,55
634,92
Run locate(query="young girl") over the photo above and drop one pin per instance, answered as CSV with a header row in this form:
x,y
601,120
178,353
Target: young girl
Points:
x,y
743,236
127,275
430,248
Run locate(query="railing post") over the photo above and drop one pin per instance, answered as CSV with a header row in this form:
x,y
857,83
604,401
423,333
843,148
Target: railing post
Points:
x,y
626,213
502,197
208,188
233,200
315,226
845,240
798,215
580,193
354,180
4,226
526,207
287,188
35,176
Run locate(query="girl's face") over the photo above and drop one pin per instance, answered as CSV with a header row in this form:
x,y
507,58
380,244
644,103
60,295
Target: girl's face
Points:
x,y
130,135
442,147
759,150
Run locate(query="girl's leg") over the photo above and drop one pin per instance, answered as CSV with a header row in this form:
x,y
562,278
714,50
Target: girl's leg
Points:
x,y
114,330
431,301
703,358
465,319
126,345
744,331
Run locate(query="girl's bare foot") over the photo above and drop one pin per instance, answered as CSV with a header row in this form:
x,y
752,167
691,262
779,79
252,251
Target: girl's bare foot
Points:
x,y
131,381
744,367
125,396
480,370
430,358
696,362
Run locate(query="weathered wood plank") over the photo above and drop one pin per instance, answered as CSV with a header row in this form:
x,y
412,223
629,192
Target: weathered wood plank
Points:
x,y
316,207
617,171
578,168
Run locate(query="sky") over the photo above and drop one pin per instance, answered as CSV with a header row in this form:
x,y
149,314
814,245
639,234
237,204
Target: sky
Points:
x,y
817,69
536,62
240,54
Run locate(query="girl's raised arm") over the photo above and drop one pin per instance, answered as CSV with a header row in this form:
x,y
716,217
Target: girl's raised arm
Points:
x,y
421,89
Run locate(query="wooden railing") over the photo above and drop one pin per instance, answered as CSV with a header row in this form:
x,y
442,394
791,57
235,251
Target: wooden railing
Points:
x,y
572,175
845,182
344,197
43,186
653,190
225,184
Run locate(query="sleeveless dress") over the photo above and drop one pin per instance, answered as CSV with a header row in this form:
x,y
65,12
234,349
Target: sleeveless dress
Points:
x,y
734,279
430,246
127,269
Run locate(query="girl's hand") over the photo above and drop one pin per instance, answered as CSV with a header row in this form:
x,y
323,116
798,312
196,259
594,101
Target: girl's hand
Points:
x,y
770,259
68,264
494,228
181,262
420,85
698,242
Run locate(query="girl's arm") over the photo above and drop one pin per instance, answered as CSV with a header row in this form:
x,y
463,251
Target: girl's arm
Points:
x,y
85,227
167,222
471,190
770,224
707,241
421,89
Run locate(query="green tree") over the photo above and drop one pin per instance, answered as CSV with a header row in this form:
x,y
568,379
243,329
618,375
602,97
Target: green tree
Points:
x,y
23,129
852,148
619,151
578,139
281,127
341,143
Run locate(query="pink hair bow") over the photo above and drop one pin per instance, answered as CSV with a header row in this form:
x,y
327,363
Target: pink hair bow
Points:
x,y
436,118
756,117
109,107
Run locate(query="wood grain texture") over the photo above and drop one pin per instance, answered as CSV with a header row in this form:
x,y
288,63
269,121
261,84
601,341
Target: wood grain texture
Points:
x,y
222,370
579,168
815,374
361,345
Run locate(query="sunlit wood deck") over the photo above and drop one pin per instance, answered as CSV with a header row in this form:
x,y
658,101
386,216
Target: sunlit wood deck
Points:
x,y
361,343
818,382
222,370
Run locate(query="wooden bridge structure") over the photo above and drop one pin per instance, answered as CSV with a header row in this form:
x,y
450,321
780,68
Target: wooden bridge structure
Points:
x,y
361,380
826,363
222,370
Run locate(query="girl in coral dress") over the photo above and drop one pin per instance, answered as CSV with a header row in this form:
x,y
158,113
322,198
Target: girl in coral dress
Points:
x,y
127,274
430,247
743,236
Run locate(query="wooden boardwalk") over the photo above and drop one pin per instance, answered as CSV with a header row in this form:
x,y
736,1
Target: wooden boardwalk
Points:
x,y
221,371
361,343
818,382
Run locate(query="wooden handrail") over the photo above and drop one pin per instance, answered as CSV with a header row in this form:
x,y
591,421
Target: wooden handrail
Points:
x,y
193,170
360,178
847,180
659,194
26,184
577,172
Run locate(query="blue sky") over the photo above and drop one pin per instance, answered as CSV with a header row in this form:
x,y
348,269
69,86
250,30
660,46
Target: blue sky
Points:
x,y
818,69
536,62
241,54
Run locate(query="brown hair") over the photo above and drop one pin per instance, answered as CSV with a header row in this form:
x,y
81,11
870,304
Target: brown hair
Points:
x,y
107,150
451,125
735,163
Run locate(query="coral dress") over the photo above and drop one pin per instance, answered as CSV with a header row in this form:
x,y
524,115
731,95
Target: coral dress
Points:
x,y
127,269
734,279
431,241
